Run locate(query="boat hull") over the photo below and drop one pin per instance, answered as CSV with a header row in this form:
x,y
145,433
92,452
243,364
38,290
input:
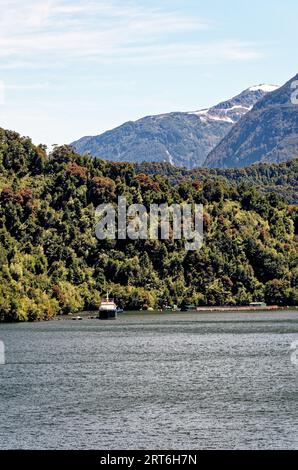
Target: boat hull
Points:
x,y
107,314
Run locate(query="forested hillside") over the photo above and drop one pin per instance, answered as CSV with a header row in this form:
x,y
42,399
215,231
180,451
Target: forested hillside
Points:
x,y
279,178
51,263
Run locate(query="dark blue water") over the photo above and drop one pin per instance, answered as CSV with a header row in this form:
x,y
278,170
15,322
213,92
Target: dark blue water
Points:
x,y
180,381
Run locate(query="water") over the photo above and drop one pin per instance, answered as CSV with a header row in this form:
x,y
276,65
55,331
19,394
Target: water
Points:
x,y
175,381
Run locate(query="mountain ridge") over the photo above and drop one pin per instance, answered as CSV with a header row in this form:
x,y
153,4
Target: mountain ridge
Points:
x,y
179,138
267,133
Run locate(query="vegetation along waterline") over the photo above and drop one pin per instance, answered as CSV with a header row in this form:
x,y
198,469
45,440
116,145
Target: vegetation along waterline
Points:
x,y
51,262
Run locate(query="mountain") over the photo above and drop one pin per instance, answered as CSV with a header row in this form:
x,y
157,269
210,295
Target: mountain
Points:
x,y
182,139
268,133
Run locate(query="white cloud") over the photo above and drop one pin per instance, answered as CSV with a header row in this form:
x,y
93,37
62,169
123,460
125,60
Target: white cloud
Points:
x,y
29,86
42,32
207,53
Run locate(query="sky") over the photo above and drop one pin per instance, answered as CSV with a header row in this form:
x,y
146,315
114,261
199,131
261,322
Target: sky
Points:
x,y
70,68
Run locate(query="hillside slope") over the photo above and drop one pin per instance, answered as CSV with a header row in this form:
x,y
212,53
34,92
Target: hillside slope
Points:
x,y
268,133
278,178
52,263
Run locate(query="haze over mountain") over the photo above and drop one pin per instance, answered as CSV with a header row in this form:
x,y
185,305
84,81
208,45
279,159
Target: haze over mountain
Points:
x,y
268,133
179,138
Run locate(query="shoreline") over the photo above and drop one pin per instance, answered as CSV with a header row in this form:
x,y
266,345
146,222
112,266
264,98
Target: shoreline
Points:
x,y
93,315
268,308
89,315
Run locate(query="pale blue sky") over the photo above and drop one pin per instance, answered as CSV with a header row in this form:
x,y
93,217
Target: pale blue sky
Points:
x,y
70,68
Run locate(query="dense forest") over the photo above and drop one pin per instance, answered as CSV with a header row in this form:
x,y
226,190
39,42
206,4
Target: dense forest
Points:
x,y
51,262
281,179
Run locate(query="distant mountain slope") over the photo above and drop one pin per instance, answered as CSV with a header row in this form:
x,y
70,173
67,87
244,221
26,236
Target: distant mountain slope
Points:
x,y
181,139
268,133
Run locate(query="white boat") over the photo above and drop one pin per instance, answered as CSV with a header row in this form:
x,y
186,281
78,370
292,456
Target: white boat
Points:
x,y
77,318
107,309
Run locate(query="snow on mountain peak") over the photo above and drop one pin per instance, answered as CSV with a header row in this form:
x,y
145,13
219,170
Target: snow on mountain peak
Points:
x,y
264,87
232,110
